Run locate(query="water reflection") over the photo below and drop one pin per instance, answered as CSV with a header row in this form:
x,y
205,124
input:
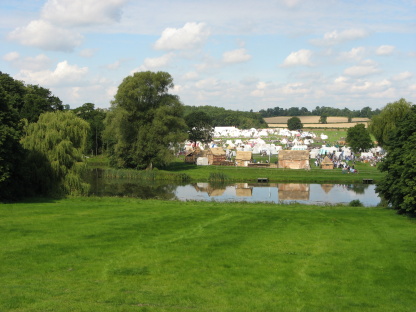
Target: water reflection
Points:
x,y
250,192
293,191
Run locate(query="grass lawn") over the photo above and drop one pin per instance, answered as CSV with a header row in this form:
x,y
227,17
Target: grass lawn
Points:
x,y
120,254
245,174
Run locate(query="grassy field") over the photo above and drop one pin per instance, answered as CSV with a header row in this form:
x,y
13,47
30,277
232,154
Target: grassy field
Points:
x,y
244,174
118,254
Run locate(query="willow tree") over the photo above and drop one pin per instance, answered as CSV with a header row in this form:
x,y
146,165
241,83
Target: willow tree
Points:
x,y
55,144
382,125
144,121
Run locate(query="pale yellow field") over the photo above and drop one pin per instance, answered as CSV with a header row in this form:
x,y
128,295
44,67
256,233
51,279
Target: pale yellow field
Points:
x,y
313,122
329,125
312,119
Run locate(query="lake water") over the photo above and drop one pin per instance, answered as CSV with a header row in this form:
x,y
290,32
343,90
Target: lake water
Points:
x,y
249,192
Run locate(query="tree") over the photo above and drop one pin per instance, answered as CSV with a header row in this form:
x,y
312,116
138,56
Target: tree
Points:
x,y
38,100
199,127
95,118
55,147
358,138
294,123
11,153
323,119
398,187
29,100
383,124
144,121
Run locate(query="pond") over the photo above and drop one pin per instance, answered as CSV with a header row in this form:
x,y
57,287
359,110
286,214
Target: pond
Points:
x,y
249,192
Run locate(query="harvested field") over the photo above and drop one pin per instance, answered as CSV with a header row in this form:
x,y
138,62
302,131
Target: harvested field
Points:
x,y
313,122
313,119
318,125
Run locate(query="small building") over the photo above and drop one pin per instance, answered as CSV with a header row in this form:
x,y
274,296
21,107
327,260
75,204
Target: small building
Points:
x,y
327,163
216,155
190,157
242,159
294,159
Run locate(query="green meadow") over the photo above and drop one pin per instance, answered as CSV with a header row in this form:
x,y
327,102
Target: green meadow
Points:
x,y
124,254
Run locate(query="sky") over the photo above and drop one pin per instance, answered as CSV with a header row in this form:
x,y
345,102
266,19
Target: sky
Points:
x,y
240,54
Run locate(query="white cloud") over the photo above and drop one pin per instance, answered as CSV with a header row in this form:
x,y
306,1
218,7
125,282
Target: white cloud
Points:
x,y
12,56
403,76
294,88
114,65
38,62
236,56
44,35
190,36
260,90
190,75
301,57
151,63
335,37
385,50
87,52
82,12
367,67
64,74
208,84
291,3
353,54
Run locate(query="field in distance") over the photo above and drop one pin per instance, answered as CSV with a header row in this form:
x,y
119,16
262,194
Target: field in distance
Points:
x,y
313,121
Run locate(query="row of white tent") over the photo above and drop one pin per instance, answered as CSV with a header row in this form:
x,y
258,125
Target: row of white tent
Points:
x,y
233,132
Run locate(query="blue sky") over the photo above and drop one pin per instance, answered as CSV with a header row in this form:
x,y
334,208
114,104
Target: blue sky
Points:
x,y
239,55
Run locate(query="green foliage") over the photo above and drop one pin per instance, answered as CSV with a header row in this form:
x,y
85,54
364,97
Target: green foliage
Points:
x,y
144,122
95,117
56,144
218,177
11,153
199,127
398,187
356,203
359,139
29,101
383,124
294,123
222,117
323,119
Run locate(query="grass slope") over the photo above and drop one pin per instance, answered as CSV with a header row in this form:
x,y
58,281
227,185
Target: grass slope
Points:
x,y
114,254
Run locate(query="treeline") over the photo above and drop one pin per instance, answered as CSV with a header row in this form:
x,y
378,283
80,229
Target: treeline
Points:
x,y
222,117
319,111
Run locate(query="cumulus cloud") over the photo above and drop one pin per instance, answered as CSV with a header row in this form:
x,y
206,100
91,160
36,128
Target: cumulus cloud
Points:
x,y
367,67
301,57
403,76
236,56
335,37
353,54
190,36
385,50
151,63
12,56
82,12
38,62
44,35
64,74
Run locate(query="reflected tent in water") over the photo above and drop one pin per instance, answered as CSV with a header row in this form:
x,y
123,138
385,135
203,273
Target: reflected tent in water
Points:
x,y
293,191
